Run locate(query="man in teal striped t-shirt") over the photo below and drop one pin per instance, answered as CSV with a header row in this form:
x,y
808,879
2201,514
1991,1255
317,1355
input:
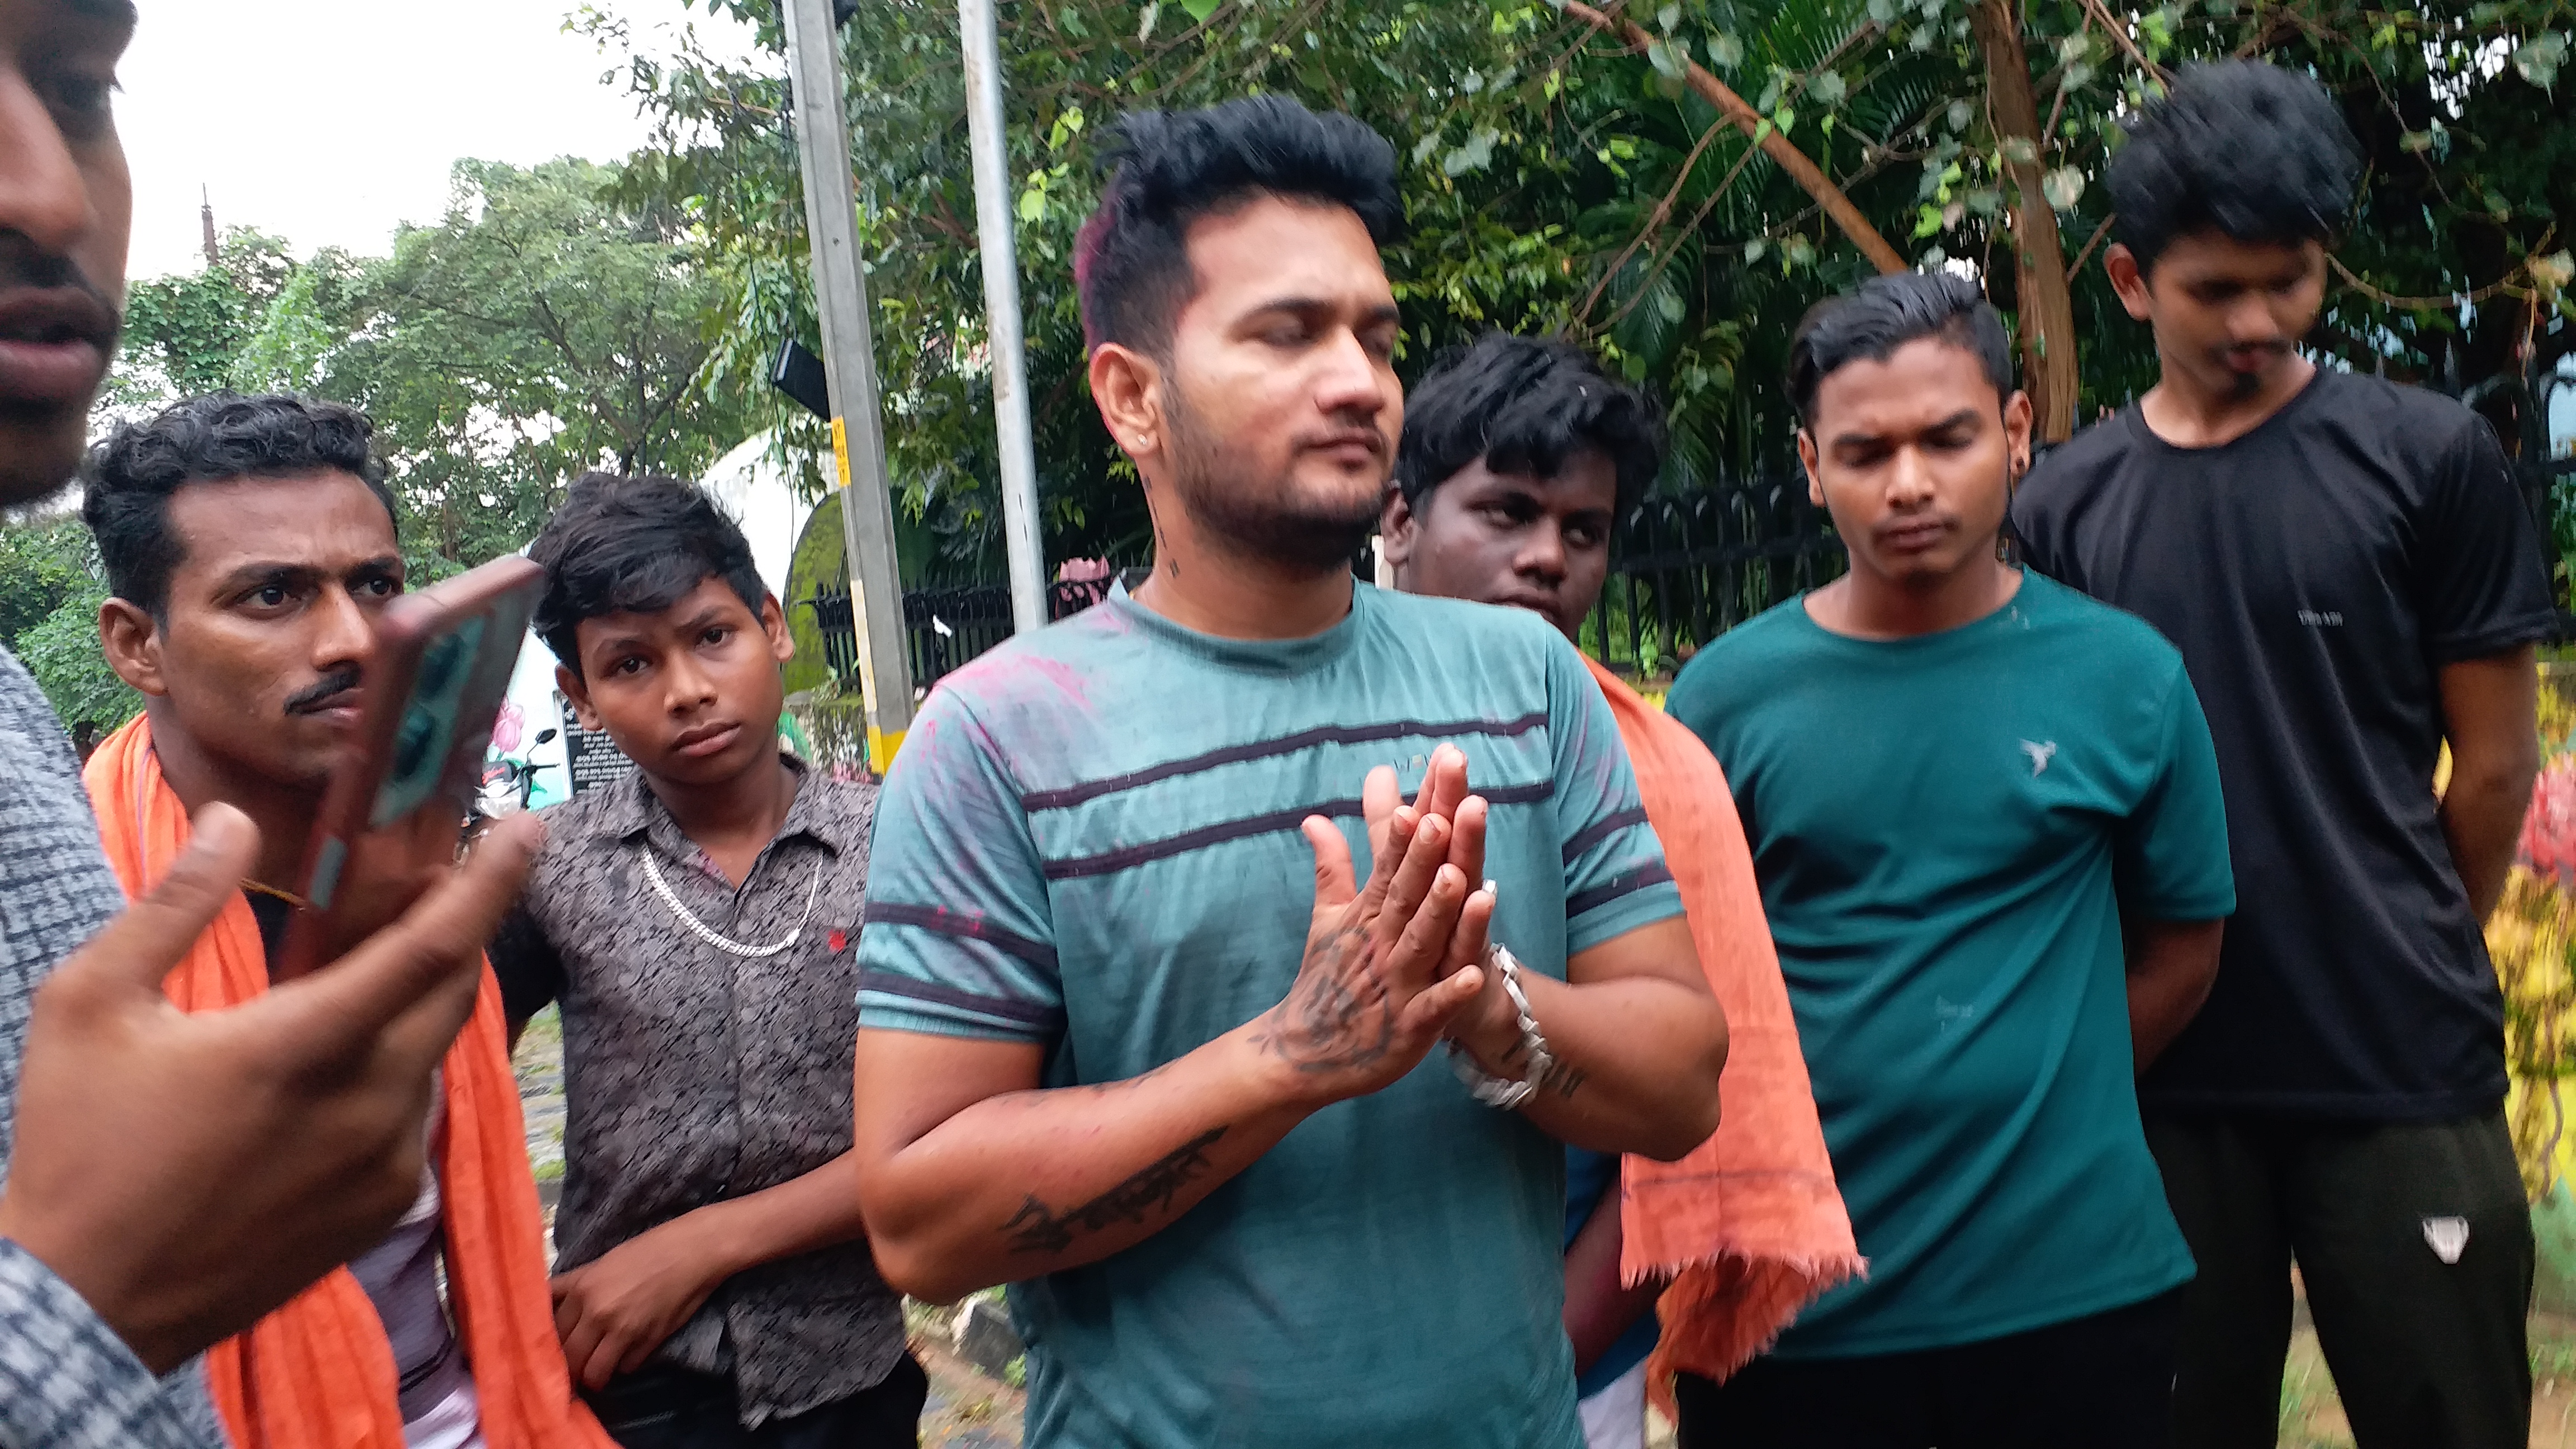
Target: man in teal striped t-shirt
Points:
x,y
1128,1040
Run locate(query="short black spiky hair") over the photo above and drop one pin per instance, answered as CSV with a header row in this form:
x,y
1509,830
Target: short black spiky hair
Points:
x,y
1881,315
1131,264
622,545
2251,151
1524,405
127,481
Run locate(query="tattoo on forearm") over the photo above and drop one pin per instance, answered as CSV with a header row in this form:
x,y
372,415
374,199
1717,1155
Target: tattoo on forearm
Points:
x,y
1338,1016
1037,1228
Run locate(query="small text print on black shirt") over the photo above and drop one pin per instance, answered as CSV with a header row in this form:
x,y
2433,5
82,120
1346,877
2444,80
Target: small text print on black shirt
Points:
x,y
2317,573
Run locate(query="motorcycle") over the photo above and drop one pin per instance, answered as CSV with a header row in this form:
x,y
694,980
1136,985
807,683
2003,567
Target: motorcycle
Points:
x,y
506,787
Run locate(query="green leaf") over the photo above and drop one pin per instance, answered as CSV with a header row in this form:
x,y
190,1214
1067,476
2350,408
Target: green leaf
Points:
x,y
1725,51
1927,221
1668,17
1668,62
1799,252
2415,142
1669,303
2019,150
1883,11
1200,10
1828,88
1786,118
1959,114
2063,187
1475,155
1754,249
1033,203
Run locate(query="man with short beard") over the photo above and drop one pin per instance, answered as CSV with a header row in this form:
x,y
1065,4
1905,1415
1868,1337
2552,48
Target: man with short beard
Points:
x,y
173,1177
1117,1046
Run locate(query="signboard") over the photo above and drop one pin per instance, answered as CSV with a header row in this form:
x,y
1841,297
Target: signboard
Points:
x,y
593,759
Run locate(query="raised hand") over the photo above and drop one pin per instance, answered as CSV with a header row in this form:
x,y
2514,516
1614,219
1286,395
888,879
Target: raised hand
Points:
x,y
186,1174
1376,986
1443,793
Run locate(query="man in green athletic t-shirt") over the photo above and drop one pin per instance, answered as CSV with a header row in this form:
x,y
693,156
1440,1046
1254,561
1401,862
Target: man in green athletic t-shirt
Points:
x,y
1956,780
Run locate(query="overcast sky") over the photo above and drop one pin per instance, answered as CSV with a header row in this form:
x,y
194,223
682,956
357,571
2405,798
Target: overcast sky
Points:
x,y
329,121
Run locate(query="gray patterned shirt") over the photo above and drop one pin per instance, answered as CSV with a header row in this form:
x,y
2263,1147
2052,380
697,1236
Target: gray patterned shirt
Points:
x,y
66,1380
693,1074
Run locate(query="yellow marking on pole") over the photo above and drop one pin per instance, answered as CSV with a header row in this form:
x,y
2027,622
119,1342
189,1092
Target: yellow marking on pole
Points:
x,y
841,460
882,746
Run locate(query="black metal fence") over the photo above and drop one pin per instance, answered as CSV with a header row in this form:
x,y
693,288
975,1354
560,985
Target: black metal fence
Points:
x,y
1682,571
944,625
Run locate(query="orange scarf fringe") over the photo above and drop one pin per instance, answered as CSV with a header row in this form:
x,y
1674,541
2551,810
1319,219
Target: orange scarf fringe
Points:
x,y
319,1372
1749,1224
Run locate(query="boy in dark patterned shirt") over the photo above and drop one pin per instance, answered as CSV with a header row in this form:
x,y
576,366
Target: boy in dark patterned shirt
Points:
x,y
695,921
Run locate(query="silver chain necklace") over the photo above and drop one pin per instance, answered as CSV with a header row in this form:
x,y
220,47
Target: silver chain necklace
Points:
x,y
709,934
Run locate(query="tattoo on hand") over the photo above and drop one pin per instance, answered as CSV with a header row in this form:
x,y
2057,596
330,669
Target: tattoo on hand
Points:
x,y
1037,1229
1338,1016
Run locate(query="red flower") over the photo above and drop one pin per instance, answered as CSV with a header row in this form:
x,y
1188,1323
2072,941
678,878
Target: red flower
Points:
x,y
2549,831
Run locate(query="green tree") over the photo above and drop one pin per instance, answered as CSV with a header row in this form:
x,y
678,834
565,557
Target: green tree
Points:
x,y
50,591
539,331
1674,182
184,332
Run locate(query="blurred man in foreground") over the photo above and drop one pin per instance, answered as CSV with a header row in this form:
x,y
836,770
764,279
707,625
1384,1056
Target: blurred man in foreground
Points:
x,y
173,1177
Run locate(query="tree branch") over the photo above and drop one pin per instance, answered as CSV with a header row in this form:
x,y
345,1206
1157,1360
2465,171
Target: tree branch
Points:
x,y
1654,221
1790,159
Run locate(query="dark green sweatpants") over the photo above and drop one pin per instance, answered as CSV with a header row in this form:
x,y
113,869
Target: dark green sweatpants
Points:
x,y
2426,1353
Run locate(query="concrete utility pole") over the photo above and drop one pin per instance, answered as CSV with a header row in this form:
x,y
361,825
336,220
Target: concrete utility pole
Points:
x,y
1002,333
849,359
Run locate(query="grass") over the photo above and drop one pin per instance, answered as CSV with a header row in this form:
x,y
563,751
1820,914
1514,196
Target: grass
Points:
x,y
2312,1413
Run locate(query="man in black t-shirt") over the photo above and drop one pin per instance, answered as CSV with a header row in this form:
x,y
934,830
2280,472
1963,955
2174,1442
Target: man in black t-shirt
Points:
x,y
2353,581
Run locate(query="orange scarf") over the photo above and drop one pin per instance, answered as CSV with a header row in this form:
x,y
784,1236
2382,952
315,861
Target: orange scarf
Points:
x,y
319,1373
1750,1222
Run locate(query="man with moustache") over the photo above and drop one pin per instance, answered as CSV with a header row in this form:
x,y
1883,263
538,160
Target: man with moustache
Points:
x,y
2353,581
249,543
1117,1046
170,1177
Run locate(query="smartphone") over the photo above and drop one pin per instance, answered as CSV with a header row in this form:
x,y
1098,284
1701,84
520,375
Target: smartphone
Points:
x,y
394,811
